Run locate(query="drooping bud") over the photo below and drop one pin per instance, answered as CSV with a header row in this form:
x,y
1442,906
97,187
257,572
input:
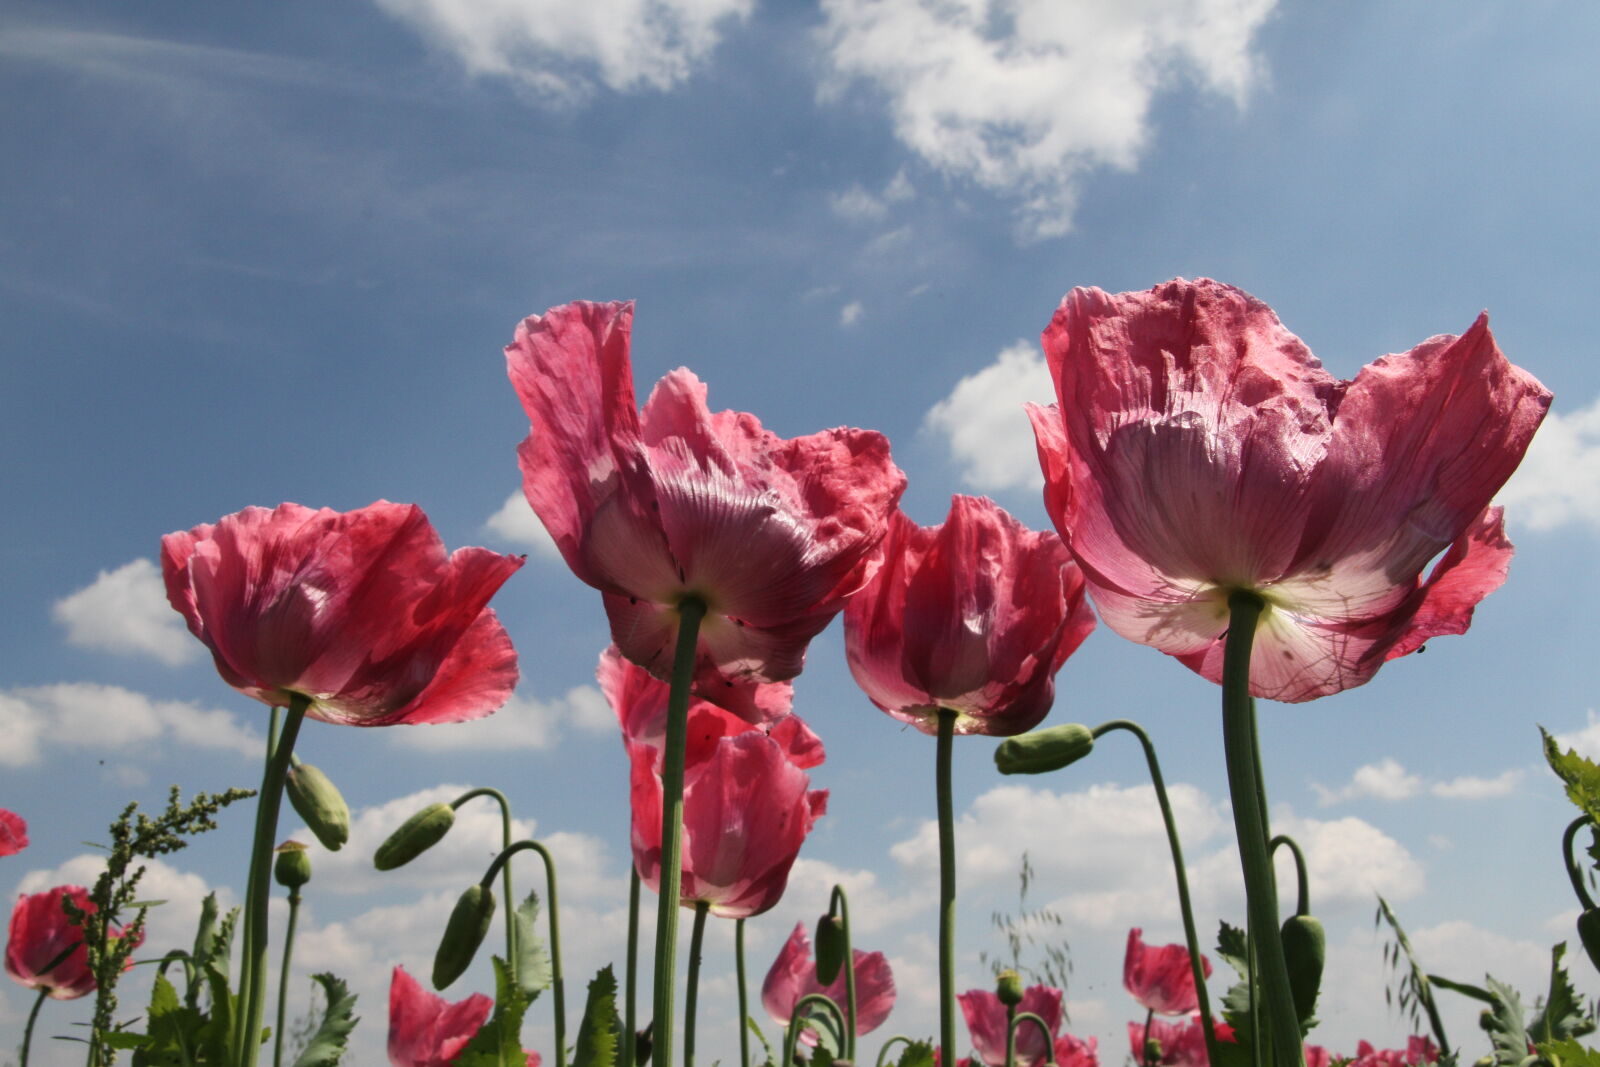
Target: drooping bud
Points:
x,y
416,835
830,948
1008,987
1589,933
292,868
1039,751
644,1042
1304,950
468,925
319,802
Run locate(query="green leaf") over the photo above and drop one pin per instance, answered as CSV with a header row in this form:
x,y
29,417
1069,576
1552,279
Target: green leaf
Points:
x,y
534,972
1233,946
597,1034
765,1046
1508,1032
1568,1053
1581,776
1466,990
1563,1015
327,1045
498,1042
917,1054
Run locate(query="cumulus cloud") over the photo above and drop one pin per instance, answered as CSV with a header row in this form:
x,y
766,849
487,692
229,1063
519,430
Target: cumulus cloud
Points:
x,y
1586,739
524,723
983,423
516,524
559,51
1468,787
89,715
126,611
1349,860
1025,98
1388,780
1558,483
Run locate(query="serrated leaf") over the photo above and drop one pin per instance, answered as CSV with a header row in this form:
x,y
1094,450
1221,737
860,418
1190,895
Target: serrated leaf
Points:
x,y
498,1042
597,1034
1508,1031
1568,1053
1563,1015
1233,946
917,1054
1464,988
821,1057
765,1046
1582,777
327,1045
534,972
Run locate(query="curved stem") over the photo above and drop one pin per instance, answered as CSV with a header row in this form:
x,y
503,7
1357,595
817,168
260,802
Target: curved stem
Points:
x,y
839,904
512,955
27,1033
1191,936
1575,875
553,909
1020,1017
1302,898
630,1020
691,994
744,998
889,1044
947,888
797,1020
283,976
254,961
690,611
1249,820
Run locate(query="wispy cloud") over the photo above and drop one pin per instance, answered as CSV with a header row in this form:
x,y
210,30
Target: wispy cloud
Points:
x,y
858,204
126,611
983,423
1026,98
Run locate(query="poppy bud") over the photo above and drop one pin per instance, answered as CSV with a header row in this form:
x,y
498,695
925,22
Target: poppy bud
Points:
x,y
1008,987
292,868
1049,749
320,804
644,1043
416,835
1589,933
830,948
1304,950
465,931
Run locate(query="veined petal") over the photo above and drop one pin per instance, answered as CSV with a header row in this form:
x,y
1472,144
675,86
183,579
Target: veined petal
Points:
x,y
1475,566
794,975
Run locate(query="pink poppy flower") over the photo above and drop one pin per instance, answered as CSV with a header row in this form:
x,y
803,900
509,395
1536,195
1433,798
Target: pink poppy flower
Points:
x,y
41,932
1317,1056
361,611
794,975
673,501
1418,1050
426,1030
1076,1052
1198,448
747,808
1160,977
13,833
986,1023
975,615
1183,1044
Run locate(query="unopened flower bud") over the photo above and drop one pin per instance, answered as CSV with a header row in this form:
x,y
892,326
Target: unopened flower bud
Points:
x,y
468,925
292,868
1589,933
1039,751
1304,950
644,1043
830,948
1008,987
320,804
416,835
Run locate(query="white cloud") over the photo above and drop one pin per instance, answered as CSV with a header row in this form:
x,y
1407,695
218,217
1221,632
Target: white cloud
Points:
x,y
558,50
851,313
1586,740
858,204
1026,97
1384,780
1559,480
126,611
1347,861
515,522
984,425
1468,787
524,723
85,714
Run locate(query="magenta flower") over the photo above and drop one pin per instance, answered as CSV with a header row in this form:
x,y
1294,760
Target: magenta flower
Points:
x,y
1076,1052
41,932
426,1030
1198,449
654,506
361,611
986,1023
1160,976
13,833
794,975
975,615
1183,1044
1418,1050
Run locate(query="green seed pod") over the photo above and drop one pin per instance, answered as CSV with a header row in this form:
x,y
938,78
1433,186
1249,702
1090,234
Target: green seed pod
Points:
x,y
469,923
1008,987
416,835
319,802
1589,933
1304,950
830,948
1039,751
292,868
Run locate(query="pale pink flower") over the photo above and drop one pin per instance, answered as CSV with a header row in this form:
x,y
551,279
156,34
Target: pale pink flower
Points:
x,y
1418,1050
1160,976
426,1030
987,1022
794,975
1077,1052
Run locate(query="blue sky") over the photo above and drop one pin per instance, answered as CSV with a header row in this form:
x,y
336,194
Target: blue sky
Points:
x,y
255,254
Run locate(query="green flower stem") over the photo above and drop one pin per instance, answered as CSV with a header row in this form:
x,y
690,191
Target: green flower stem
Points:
x,y
1573,872
744,997
691,609
247,922
1144,1053
1190,936
791,1036
692,993
1249,820
1018,1018
253,974
630,1019
947,889
889,1044
1302,899
558,989
27,1033
283,976
512,955
839,904
1011,1035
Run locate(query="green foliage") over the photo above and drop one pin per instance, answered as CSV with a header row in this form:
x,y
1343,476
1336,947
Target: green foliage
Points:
x,y
766,1046
1503,1021
1560,1017
534,972
1568,1053
598,1033
498,1043
1415,990
917,1054
328,1043
1582,777
1233,948
180,1033
1563,1014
